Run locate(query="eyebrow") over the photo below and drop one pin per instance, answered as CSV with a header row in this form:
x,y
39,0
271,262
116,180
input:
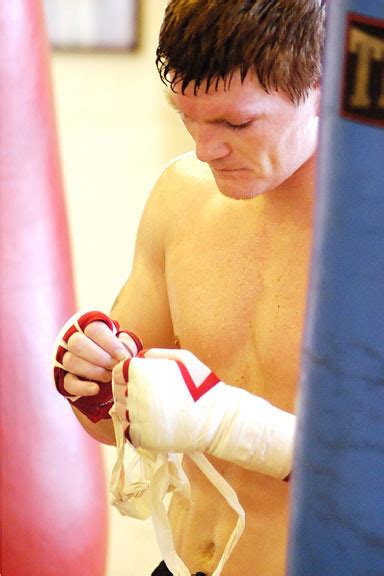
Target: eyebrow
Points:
x,y
175,107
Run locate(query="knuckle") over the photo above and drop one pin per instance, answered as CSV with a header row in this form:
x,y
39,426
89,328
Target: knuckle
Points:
x,y
104,376
69,362
94,329
75,343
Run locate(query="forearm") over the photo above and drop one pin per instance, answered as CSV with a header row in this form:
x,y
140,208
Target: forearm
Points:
x,y
251,432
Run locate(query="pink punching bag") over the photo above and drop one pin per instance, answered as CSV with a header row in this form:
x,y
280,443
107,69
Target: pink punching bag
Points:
x,y
53,510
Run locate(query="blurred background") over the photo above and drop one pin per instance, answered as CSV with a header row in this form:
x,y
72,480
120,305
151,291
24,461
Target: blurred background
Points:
x,y
116,134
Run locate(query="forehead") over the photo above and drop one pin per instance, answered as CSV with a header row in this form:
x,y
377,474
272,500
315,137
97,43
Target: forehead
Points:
x,y
236,97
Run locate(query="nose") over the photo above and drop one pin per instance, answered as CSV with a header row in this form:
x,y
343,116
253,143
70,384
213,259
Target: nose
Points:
x,y
209,143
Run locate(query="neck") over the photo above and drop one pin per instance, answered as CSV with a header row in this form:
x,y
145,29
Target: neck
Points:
x,y
298,190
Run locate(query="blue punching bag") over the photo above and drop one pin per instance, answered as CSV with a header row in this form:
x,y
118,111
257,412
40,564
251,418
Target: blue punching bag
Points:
x,y
337,519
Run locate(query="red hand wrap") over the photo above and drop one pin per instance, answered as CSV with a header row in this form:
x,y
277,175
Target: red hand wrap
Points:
x,y
94,407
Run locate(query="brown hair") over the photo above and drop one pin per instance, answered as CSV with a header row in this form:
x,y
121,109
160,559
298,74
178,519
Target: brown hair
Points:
x,y
208,40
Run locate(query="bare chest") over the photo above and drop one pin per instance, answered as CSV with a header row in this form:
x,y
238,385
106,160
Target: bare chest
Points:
x,y
237,288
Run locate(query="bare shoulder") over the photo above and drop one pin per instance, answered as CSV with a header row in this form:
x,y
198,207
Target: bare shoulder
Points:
x,y
182,191
185,182
188,168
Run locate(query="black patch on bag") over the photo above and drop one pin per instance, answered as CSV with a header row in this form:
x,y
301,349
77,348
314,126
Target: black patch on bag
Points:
x,y
363,78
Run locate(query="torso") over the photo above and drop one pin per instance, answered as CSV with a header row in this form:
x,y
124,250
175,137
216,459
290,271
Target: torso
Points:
x,y
236,275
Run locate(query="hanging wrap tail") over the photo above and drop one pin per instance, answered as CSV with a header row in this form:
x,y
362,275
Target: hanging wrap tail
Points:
x,y
140,486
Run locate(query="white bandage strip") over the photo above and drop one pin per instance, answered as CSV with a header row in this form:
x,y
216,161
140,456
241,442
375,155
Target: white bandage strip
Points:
x,y
141,493
250,432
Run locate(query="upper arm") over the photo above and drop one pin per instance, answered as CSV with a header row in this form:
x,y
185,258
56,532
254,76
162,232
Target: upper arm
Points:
x,y
142,305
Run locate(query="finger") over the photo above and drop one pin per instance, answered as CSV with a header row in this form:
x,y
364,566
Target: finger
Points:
x,y
77,387
120,378
83,347
120,373
101,335
80,367
131,342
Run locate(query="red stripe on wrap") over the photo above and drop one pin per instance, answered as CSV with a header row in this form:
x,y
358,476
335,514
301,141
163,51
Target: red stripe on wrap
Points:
x,y
126,378
72,330
96,316
126,369
60,354
197,391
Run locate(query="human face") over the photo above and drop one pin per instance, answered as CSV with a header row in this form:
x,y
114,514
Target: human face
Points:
x,y
253,141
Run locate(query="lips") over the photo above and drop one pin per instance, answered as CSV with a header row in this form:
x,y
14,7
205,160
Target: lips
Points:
x,y
227,168
229,171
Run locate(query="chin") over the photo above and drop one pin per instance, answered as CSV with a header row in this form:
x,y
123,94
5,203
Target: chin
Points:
x,y
242,191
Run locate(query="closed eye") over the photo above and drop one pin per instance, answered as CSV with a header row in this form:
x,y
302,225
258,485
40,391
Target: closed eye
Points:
x,y
235,127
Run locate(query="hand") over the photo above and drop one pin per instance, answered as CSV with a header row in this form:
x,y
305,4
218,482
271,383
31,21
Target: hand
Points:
x,y
169,401
86,350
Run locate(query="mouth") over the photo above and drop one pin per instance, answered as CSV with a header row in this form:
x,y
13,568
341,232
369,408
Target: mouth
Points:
x,y
231,173
229,170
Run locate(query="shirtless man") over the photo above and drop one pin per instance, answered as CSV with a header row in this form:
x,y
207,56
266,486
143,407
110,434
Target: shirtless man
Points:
x,y
222,253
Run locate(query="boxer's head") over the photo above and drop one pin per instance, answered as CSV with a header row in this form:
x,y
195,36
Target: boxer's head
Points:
x,y
281,41
244,76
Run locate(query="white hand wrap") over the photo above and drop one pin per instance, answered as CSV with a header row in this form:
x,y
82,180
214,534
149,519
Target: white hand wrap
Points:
x,y
178,405
175,404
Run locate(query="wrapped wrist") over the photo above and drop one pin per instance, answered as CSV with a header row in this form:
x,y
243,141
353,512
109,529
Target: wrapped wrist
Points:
x,y
254,434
